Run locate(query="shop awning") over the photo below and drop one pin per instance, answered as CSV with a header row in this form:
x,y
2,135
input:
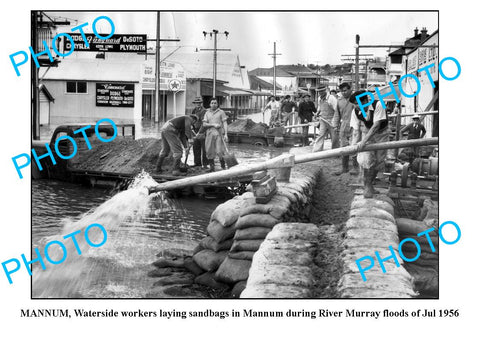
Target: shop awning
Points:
x,y
206,89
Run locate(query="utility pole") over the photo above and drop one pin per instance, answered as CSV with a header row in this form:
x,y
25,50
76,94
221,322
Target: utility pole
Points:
x,y
357,52
157,68
157,71
214,34
35,94
275,67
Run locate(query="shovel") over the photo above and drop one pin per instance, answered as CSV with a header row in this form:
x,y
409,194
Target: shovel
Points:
x,y
184,167
229,157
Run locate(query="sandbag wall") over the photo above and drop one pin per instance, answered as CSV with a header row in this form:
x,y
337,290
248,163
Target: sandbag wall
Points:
x,y
371,227
282,267
425,269
239,226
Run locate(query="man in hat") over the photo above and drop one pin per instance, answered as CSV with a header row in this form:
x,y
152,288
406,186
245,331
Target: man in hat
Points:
x,y
327,104
374,129
306,110
341,123
415,130
174,134
199,154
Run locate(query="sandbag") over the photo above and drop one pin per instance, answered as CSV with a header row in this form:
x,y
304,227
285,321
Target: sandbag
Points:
x,y
292,244
282,275
227,213
422,239
285,257
232,270
219,232
256,220
288,193
256,209
294,231
275,291
297,187
279,206
241,255
192,266
385,198
411,248
238,289
389,237
431,208
379,281
210,243
197,249
252,233
370,223
372,212
351,243
425,279
209,260
360,202
406,225
368,293
208,279
246,245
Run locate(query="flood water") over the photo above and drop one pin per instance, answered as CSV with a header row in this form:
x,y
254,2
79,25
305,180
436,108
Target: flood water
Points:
x,y
138,227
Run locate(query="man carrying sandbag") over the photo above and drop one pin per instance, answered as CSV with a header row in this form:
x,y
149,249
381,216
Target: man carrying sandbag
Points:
x,y
174,134
374,129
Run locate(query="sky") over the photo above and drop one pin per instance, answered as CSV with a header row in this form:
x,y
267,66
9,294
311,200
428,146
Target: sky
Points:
x,y
302,37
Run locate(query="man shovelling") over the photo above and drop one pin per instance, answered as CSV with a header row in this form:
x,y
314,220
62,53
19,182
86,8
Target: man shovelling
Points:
x,y
176,134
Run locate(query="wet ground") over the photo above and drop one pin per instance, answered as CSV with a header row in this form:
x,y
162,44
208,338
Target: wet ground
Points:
x,y
330,210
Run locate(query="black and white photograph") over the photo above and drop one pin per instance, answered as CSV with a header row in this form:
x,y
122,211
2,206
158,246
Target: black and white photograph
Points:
x,y
241,168
274,163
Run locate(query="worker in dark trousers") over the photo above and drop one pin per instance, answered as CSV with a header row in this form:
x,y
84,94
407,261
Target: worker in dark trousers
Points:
x,y
306,110
199,153
175,133
415,130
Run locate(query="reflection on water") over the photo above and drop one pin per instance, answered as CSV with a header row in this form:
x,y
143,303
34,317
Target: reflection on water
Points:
x,y
138,227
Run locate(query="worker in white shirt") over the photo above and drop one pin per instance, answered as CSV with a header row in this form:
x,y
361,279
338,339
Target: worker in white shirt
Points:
x,y
327,104
374,129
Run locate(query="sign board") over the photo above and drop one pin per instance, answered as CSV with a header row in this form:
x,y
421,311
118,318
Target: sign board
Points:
x,y
168,71
115,94
174,85
127,43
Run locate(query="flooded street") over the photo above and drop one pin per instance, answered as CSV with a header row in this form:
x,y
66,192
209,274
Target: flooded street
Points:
x,y
138,228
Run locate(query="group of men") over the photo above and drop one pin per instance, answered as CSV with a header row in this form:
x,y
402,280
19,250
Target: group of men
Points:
x,y
341,117
204,130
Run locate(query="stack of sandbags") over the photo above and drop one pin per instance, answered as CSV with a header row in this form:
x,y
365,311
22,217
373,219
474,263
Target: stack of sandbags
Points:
x,y
371,227
213,249
253,224
425,269
282,266
238,227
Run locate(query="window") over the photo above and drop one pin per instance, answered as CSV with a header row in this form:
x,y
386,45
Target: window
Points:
x,y
76,87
